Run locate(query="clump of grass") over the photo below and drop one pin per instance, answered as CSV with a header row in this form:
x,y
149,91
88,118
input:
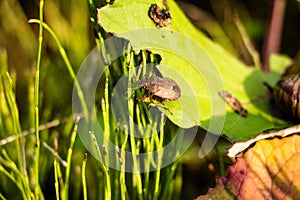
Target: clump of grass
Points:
x,y
26,172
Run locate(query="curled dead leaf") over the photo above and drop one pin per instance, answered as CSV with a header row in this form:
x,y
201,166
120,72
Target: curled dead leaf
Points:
x,y
268,170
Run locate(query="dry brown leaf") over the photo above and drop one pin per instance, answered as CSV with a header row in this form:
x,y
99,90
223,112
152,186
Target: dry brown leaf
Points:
x,y
268,170
241,146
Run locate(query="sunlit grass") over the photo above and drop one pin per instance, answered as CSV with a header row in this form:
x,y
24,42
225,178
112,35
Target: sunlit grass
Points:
x,y
118,184
53,162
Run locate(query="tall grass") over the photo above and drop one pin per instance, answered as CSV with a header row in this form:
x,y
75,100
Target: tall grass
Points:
x,y
29,173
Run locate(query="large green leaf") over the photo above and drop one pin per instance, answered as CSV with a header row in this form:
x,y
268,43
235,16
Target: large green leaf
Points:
x,y
201,68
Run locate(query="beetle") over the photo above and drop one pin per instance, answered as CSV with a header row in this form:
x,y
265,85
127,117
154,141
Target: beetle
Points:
x,y
286,95
233,103
164,88
160,17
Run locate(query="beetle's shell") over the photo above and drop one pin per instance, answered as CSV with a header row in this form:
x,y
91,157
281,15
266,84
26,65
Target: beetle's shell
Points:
x,y
164,88
286,95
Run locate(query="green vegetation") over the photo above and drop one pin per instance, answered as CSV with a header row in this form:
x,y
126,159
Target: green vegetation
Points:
x,y
46,152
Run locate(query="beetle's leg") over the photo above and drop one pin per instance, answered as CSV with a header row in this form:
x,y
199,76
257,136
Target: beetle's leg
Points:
x,y
165,107
161,103
144,97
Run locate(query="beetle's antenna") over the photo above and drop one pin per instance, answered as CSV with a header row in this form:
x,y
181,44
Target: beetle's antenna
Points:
x,y
131,89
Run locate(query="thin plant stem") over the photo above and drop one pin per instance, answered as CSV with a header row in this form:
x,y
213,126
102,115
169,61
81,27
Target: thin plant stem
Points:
x,y
36,102
145,141
115,182
68,65
171,174
55,154
105,113
56,167
104,168
221,162
13,179
32,130
141,118
11,165
177,183
273,38
11,101
106,117
160,154
22,179
2,197
144,55
56,183
83,178
116,172
69,157
60,180
247,42
122,173
137,182
99,38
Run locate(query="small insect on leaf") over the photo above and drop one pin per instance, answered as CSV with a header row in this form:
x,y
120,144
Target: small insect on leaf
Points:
x,y
164,88
233,103
159,16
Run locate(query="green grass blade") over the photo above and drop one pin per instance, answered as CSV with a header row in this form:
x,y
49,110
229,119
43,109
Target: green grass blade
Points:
x,y
36,102
83,178
67,62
